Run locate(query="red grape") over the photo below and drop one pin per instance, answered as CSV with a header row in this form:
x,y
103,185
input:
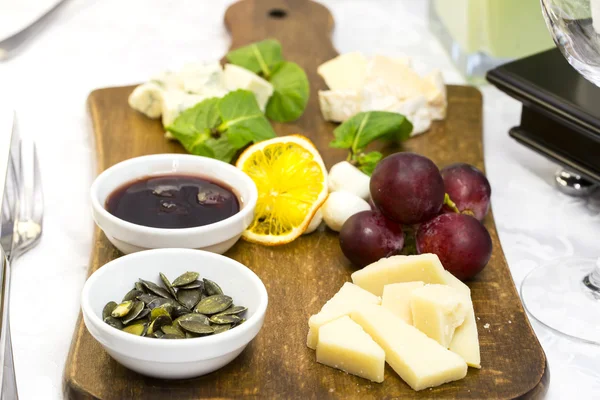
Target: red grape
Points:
x,y
368,236
407,188
461,242
468,188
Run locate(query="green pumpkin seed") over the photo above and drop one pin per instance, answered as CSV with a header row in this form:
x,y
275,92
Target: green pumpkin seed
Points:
x,y
157,290
136,329
225,319
203,319
157,312
234,310
211,288
167,284
137,308
222,328
159,302
158,334
108,309
185,279
173,330
190,335
194,285
144,313
213,304
122,309
189,297
159,322
168,307
148,298
239,323
115,323
171,336
139,286
132,295
196,327
179,311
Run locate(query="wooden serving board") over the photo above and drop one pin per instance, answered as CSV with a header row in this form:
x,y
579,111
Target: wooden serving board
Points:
x,y
304,274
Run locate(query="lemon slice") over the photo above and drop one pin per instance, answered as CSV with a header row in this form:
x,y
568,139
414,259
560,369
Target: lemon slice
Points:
x,y
292,184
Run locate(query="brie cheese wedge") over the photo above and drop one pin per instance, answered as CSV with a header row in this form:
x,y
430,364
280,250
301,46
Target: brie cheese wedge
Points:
x,y
344,72
236,77
339,105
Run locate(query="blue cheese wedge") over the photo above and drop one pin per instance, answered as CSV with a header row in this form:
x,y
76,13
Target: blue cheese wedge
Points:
x,y
147,99
203,78
176,101
344,345
344,72
341,304
419,360
236,77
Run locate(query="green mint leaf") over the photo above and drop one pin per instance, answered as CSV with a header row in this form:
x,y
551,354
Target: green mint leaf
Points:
x,y
365,127
259,57
243,120
193,126
220,148
367,162
291,91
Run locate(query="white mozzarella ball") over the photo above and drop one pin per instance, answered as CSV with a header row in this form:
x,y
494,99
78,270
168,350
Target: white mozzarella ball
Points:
x,y
340,206
314,222
345,177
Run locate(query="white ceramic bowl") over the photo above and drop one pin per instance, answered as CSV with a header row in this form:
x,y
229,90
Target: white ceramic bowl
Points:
x,y
129,237
173,358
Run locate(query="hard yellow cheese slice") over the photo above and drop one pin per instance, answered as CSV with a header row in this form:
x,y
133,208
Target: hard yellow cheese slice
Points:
x,y
437,310
341,304
419,360
344,345
395,269
396,298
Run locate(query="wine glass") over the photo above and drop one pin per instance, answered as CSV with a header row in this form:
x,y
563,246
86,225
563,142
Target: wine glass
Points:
x,y
565,294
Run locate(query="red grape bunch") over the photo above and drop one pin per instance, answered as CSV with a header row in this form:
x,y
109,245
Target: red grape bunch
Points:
x,y
444,208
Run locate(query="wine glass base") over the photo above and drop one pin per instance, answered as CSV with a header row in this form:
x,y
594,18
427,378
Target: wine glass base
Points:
x,y
561,296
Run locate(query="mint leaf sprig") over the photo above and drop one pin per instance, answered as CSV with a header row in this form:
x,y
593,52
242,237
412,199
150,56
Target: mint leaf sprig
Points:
x,y
363,128
290,84
220,127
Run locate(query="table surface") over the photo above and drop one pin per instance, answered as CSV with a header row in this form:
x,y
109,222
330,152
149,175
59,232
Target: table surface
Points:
x,y
93,44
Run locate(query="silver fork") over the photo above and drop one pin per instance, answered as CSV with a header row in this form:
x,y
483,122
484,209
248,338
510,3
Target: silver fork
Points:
x,y
28,231
9,46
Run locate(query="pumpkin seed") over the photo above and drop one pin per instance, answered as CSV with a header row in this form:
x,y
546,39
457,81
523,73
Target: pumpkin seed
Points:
x,y
158,334
171,336
158,323
137,308
114,322
168,307
190,335
145,312
225,319
157,290
179,311
122,309
211,288
167,284
139,286
193,317
108,309
173,330
132,295
158,302
196,327
222,328
194,285
234,310
213,304
185,279
189,297
148,298
157,312
136,329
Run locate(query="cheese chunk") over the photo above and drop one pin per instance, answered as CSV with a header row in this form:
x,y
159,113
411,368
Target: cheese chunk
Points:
x,y
236,77
205,79
419,360
396,298
344,345
437,311
465,342
339,105
395,269
437,96
175,102
341,304
147,99
346,71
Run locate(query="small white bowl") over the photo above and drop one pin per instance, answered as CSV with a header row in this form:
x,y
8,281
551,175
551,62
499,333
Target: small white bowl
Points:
x,y
173,358
217,237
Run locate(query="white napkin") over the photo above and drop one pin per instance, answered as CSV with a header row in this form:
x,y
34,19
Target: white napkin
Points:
x,y
595,6
17,14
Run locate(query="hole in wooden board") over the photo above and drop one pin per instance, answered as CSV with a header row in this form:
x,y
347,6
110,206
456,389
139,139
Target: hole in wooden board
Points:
x,y
277,13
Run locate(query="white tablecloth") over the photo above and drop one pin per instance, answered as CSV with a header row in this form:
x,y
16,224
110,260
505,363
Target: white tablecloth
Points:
x,y
93,44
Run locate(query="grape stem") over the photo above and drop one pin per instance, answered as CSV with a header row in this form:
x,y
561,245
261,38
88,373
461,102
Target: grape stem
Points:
x,y
448,201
